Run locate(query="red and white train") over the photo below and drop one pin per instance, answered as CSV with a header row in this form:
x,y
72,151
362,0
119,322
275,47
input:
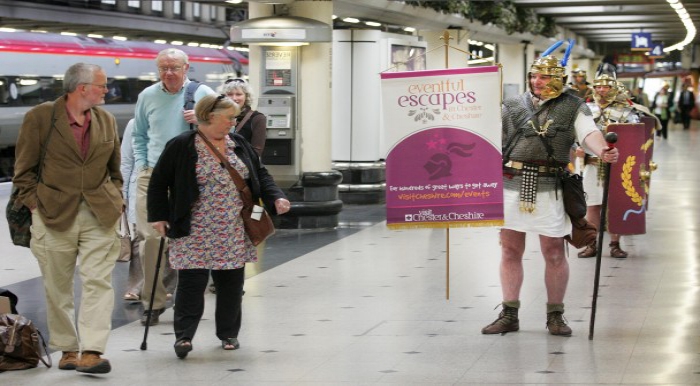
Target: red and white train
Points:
x,y
32,67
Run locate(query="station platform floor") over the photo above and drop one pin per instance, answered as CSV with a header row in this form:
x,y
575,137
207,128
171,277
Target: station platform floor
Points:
x,y
365,305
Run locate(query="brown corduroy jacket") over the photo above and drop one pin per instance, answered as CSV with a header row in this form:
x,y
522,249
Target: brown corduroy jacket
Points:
x,y
66,177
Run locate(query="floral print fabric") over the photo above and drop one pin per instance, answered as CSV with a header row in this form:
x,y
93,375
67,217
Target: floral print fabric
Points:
x,y
217,238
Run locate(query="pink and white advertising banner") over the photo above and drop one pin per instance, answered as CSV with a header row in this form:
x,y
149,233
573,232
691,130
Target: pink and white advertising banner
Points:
x,y
443,148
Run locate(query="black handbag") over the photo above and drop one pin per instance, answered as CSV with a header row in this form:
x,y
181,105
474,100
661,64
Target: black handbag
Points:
x,y
19,217
573,195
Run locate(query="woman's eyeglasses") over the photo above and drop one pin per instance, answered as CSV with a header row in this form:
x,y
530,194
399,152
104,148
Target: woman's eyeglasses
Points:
x,y
236,80
213,107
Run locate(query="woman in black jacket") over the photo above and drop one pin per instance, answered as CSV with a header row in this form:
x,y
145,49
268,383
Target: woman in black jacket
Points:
x,y
193,200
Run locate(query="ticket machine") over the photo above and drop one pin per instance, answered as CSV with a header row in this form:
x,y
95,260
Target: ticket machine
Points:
x,y
278,90
279,111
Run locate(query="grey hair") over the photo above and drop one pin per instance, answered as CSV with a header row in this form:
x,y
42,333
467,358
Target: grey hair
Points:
x,y
203,109
77,74
174,52
239,85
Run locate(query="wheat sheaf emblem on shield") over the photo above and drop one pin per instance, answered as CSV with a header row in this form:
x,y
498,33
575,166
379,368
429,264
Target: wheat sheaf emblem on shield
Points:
x,y
627,180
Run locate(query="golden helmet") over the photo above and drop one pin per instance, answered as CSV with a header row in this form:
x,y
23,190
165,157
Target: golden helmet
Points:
x,y
605,80
579,72
549,65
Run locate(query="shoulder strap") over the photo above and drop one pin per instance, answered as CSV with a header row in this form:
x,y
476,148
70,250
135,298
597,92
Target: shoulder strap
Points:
x,y
235,176
189,96
244,120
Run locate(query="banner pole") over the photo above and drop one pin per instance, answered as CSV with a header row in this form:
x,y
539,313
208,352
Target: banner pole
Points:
x,y
447,260
446,38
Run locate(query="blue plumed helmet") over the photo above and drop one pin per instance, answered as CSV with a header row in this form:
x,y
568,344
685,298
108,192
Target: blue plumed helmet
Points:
x,y
548,64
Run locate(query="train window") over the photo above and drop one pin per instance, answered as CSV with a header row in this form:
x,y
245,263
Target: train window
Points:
x,y
27,91
31,91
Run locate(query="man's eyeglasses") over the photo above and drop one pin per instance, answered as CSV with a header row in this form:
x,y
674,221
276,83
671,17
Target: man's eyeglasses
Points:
x,y
102,86
213,107
236,80
164,69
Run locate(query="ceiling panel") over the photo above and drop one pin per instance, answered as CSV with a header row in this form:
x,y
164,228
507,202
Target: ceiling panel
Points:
x,y
610,23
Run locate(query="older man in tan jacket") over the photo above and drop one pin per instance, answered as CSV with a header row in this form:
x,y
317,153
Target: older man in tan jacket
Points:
x,y
75,202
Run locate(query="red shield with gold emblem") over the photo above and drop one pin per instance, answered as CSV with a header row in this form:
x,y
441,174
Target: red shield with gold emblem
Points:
x,y
627,196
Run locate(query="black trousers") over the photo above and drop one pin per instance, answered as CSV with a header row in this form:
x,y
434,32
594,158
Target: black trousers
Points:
x,y
189,301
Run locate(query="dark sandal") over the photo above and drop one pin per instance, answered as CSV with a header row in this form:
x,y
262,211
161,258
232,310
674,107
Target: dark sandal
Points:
x,y
616,251
182,347
230,344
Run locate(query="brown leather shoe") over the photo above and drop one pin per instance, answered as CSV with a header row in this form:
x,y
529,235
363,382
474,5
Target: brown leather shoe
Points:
x,y
90,362
590,251
616,251
556,324
507,322
69,360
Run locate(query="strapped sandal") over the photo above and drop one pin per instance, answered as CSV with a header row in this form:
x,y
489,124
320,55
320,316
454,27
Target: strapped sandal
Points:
x,y
182,347
590,251
616,251
230,344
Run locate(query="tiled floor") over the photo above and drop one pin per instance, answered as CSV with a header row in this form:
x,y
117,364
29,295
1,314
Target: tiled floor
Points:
x,y
364,305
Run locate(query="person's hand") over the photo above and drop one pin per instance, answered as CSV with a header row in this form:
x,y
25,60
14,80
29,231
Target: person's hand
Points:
x,y
282,205
161,227
189,116
610,155
579,152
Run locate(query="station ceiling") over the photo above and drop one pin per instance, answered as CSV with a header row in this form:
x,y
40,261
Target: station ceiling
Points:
x,y
607,25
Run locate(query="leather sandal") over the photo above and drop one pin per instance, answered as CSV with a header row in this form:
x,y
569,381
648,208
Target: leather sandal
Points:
x,y
590,251
230,344
182,347
616,251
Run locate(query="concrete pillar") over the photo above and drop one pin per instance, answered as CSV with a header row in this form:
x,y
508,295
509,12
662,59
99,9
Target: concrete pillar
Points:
x,y
314,98
187,10
168,10
221,15
123,6
516,62
146,8
255,52
435,59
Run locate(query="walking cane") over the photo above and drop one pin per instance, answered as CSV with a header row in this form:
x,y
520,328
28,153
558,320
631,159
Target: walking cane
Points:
x,y
610,138
153,293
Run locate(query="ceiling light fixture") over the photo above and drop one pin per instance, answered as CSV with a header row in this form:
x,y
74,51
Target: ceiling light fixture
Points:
x,y
351,20
689,26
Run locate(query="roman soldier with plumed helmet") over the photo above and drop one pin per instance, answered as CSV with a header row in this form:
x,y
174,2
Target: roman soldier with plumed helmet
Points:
x,y
579,85
611,105
539,128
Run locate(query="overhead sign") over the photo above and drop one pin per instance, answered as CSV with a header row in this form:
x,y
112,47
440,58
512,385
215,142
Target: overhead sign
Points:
x,y
657,51
641,41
